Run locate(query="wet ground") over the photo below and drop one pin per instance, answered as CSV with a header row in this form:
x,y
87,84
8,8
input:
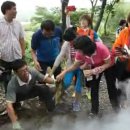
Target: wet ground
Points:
x,y
34,116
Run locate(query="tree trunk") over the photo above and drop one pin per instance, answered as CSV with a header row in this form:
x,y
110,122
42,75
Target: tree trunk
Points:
x,y
64,4
100,15
93,4
105,24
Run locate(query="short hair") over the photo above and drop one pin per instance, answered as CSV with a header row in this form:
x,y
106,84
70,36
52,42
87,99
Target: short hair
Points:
x,y
86,17
70,34
122,22
48,25
128,18
7,5
85,44
17,64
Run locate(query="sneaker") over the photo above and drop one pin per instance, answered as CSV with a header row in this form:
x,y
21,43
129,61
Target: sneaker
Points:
x,y
88,94
91,115
123,105
76,106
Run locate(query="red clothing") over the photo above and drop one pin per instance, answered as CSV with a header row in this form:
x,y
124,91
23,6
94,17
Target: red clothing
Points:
x,y
98,58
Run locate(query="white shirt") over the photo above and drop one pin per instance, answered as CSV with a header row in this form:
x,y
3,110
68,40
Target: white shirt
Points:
x,y
21,83
10,33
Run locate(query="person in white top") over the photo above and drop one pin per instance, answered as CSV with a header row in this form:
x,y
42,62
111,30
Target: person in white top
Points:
x,y
12,45
68,52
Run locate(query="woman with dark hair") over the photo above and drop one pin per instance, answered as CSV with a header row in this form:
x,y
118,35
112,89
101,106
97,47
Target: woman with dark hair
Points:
x,y
68,52
91,54
122,25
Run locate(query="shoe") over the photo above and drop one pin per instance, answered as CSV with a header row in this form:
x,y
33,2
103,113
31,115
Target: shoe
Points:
x,y
88,94
76,106
123,105
3,112
92,115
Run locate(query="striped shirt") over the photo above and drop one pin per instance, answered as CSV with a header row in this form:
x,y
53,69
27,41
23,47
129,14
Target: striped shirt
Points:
x,y
10,33
72,51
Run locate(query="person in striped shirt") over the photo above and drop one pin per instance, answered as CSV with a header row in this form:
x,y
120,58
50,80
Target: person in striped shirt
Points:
x,y
68,52
12,45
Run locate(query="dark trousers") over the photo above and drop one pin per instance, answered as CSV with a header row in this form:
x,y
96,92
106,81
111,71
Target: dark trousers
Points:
x,y
117,71
6,76
44,66
94,84
110,76
43,92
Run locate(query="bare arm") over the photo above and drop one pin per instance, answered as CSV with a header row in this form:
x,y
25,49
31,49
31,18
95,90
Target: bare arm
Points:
x,y
34,57
61,56
71,68
97,70
11,112
22,44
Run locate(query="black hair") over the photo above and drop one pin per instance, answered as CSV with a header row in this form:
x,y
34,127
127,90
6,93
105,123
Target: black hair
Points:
x,y
70,34
7,5
85,44
17,64
122,22
48,25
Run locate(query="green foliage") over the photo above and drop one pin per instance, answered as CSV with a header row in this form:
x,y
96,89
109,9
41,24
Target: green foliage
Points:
x,y
42,14
28,47
120,12
76,15
117,12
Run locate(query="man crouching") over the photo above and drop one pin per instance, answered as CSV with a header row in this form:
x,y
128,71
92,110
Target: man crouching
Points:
x,y
23,85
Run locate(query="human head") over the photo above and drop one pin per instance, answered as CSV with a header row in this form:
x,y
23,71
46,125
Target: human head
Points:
x,y
48,27
70,34
8,8
85,21
128,19
21,70
123,23
85,45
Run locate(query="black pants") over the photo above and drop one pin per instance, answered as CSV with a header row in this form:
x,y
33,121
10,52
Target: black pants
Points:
x,y
119,72
6,76
110,76
94,84
44,66
43,92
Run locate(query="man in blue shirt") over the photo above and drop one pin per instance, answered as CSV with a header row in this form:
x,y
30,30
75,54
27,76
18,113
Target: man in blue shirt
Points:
x,y
46,44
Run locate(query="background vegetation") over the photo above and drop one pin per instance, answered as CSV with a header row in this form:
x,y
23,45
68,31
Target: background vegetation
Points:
x,y
105,19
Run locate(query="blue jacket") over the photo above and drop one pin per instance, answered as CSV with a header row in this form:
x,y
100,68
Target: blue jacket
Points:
x,y
46,48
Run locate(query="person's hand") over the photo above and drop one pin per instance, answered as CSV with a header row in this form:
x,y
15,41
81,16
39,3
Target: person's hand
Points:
x,y
37,66
97,70
87,73
60,76
118,52
17,126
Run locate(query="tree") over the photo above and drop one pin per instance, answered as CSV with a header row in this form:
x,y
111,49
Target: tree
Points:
x,y
64,3
42,14
110,10
93,4
100,14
